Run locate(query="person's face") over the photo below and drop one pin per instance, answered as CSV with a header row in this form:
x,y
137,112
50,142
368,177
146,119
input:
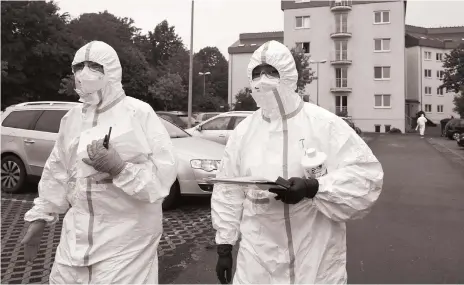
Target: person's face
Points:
x,y
90,64
265,69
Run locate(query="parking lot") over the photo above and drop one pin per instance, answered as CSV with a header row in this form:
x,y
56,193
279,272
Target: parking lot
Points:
x,y
414,233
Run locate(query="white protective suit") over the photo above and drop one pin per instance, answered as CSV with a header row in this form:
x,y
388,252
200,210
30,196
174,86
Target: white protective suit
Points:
x,y
305,242
421,124
112,229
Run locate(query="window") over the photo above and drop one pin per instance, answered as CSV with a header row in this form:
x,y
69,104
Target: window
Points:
x,y
387,128
303,47
50,121
382,72
21,119
382,44
209,116
341,23
302,22
439,56
341,50
217,124
428,90
341,77
237,121
428,108
382,101
439,108
428,73
439,91
440,74
381,17
427,55
174,131
377,128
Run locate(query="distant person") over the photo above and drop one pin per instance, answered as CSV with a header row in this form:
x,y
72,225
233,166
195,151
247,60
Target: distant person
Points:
x,y
113,221
421,121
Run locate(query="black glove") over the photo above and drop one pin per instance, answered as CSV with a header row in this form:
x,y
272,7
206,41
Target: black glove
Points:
x,y
300,188
224,263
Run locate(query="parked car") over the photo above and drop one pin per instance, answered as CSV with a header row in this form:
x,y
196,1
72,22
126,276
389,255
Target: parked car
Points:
x,y
219,128
201,117
352,125
460,140
454,128
29,131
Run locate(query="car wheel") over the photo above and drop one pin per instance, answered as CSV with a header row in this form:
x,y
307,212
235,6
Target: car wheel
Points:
x,y
170,202
456,136
13,174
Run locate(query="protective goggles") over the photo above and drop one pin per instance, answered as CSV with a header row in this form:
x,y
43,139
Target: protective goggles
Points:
x,y
90,64
266,69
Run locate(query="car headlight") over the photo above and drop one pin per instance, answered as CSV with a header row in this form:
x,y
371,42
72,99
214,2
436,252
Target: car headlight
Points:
x,y
207,165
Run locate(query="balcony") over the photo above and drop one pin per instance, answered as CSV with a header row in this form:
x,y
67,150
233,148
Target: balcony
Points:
x,y
341,86
341,111
341,31
340,57
340,5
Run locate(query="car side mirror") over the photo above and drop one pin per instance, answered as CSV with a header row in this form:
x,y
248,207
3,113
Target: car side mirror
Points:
x,y
199,128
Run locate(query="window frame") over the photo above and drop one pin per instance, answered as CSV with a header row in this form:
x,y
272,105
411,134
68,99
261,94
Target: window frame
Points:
x,y
440,91
382,69
43,113
439,58
32,123
425,55
382,17
302,22
425,108
383,101
382,45
300,47
342,79
215,119
442,109
428,88
425,76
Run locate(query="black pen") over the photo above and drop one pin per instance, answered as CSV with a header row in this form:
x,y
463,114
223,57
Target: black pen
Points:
x,y
106,141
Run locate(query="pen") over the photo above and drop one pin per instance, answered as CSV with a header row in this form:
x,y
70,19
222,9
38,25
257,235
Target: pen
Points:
x,y
106,141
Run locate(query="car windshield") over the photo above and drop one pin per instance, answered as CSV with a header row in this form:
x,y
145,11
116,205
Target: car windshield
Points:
x,y
174,131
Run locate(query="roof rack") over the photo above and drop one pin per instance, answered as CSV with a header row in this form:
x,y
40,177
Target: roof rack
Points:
x,y
49,103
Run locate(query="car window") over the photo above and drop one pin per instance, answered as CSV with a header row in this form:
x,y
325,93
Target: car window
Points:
x,y
21,119
173,130
208,116
173,119
217,124
237,121
49,121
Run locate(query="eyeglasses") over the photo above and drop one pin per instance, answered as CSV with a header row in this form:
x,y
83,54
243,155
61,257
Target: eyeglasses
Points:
x,y
90,64
266,69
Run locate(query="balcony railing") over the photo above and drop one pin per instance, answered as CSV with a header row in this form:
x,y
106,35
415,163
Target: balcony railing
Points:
x,y
341,31
341,111
341,85
340,57
340,5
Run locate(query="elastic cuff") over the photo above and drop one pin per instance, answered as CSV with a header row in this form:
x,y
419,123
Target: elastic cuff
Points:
x,y
312,187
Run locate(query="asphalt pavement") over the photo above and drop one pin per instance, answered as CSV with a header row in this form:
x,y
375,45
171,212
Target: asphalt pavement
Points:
x,y
413,234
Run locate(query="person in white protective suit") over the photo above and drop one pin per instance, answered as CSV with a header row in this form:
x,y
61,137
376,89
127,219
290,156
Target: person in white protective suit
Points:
x,y
112,226
421,121
298,235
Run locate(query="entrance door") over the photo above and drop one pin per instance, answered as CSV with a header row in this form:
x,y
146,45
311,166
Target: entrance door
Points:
x,y
341,105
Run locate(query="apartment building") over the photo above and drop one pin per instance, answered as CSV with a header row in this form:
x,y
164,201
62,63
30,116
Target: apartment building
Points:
x,y
358,54
239,57
425,52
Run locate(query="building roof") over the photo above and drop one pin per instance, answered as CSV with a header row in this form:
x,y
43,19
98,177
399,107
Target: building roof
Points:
x,y
440,37
249,42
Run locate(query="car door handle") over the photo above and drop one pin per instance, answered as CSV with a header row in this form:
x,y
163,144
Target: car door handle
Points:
x,y
29,141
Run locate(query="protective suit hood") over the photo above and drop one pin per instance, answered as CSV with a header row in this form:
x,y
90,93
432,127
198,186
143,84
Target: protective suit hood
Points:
x,y
279,56
105,55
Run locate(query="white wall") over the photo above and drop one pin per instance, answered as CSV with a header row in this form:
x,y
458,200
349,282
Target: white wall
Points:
x,y
361,52
238,79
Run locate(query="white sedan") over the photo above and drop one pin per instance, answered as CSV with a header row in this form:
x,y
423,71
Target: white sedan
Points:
x,y
219,128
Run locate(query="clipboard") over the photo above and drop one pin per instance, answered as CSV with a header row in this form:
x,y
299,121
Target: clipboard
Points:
x,y
252,182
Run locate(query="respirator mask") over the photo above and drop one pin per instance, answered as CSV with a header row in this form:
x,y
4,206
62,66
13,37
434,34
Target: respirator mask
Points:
x,y
265,79
89,79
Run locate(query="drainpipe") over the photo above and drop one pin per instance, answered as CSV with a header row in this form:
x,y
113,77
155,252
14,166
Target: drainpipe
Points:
x,y
421,76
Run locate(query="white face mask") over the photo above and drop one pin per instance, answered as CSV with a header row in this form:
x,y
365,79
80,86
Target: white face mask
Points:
x,y
262,93
88,82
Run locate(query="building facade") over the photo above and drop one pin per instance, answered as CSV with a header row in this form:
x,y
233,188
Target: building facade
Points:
x,y
425,52
239,57
358,55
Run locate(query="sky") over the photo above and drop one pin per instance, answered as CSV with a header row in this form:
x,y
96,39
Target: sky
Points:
x,y
219,22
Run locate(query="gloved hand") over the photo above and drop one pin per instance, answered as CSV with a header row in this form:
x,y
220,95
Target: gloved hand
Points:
x,y
224,263
104,160
300,188
31,239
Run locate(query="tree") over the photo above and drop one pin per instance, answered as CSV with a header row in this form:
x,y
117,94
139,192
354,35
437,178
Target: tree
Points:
x,y
244,101
119,33
37,51
305,74
453,79
169,91
211,59
161,44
